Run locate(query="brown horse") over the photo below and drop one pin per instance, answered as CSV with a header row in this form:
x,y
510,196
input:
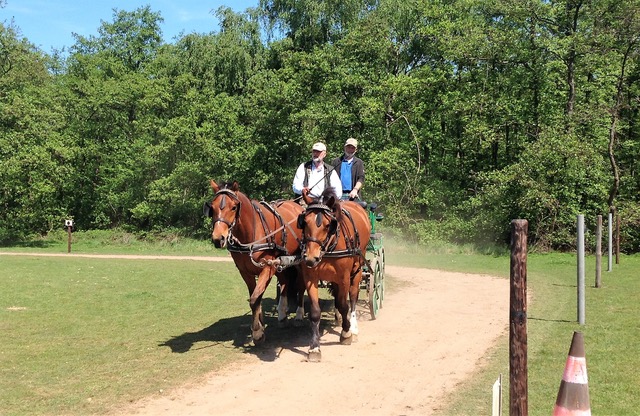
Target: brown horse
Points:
x,y
335,237
257,233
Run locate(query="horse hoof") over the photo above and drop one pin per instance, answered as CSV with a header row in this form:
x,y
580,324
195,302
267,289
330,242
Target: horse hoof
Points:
x,y
314,356
298,323
258,338
345,339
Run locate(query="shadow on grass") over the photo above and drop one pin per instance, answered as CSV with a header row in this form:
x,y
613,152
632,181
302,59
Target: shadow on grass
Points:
x,y
221,331
237,331
551,320
561,285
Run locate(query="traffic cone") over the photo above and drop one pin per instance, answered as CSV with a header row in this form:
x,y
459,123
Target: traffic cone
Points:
x,y
573,396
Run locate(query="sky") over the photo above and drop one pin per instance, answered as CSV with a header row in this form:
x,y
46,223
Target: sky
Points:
x,y
49,24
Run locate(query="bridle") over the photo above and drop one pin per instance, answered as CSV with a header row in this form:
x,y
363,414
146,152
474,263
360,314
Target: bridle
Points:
x,y
223,204
331,240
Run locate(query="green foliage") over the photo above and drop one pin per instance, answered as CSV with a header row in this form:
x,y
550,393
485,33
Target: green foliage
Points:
x,y
629,215
555,180
35,156
468,114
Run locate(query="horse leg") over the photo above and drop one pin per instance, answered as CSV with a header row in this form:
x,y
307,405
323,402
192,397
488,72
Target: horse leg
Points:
x,y
283,302
255,303
337,318
290,282
346,336
354,292
314,316
298,281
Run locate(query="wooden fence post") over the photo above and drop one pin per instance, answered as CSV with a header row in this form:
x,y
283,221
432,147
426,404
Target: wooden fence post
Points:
x,y
518,394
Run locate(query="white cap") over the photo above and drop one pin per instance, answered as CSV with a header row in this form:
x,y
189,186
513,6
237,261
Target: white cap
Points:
x,y
319,146
351,142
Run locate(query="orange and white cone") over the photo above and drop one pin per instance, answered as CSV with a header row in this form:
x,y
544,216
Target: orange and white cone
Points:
x,y
573,396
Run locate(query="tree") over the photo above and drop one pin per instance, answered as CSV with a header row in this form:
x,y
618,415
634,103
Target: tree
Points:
x,y
114,108
34,156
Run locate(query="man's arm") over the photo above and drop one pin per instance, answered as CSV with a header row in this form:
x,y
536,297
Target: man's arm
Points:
x,y
358,167
336,183
298,180
359,172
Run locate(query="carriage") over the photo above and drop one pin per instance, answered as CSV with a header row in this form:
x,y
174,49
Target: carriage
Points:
x,y
372,284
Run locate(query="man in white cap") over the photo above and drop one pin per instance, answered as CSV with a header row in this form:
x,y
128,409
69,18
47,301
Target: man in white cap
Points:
x,y
350,169
315,175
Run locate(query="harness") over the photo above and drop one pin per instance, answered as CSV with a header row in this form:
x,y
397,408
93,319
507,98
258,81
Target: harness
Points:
x,y
234,245
352,241
269,241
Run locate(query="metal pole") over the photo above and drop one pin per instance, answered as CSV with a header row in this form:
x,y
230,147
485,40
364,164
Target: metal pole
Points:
x,y
617,238
518,394
599,252
580,244
610,246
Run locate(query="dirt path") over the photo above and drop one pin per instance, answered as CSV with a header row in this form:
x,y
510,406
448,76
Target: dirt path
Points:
x,y
430,335
432,332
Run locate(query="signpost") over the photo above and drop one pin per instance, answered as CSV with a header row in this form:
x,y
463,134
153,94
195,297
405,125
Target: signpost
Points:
x,y
69,225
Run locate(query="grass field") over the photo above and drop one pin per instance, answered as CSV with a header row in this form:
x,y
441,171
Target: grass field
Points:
x,y
82,336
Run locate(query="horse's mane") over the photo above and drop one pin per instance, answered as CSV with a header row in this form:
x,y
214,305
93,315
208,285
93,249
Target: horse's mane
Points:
x,y
231,185
327,194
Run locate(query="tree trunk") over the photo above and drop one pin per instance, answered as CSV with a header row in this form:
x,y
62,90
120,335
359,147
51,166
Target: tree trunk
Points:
x,y
615,116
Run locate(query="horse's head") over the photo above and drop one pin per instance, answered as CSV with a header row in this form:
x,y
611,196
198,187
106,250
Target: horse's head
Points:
x,y
319,224
224,210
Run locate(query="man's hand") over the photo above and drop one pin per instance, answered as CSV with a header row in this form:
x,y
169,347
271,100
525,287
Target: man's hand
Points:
x,y
353,194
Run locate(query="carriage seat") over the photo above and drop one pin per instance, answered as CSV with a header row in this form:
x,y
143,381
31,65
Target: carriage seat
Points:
x,y
372,207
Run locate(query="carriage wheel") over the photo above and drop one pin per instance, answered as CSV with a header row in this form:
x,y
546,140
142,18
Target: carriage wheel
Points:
x,y
375,290
365,286
382,277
